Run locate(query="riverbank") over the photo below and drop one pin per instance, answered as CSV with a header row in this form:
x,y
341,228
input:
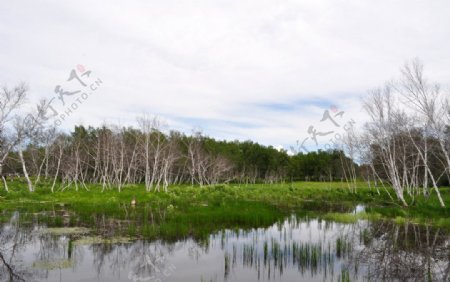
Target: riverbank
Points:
x,y
233,203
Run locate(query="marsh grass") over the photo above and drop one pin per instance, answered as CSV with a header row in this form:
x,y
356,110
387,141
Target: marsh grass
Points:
x,y
351,217
197,211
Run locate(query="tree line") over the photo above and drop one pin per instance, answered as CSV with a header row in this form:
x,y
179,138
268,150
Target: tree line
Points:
x,y
114,156
405,145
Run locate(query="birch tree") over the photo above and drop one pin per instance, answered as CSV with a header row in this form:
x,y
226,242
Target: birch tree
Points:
x,y
431,104
384,123
10,102
27,127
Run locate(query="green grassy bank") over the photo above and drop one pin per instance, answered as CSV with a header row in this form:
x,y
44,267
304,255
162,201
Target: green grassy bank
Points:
x,y
198,210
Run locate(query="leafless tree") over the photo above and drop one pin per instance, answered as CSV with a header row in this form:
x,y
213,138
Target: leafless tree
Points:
x,y
408,118
10,102
385,123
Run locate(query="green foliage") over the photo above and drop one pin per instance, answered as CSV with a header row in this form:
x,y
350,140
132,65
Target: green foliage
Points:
x,y
251,162
177,212
317,166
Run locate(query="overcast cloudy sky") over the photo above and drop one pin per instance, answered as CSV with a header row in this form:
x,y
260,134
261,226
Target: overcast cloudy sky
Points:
x,y
260,70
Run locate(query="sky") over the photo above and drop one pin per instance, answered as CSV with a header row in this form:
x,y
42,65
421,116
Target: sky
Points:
x,y
237,70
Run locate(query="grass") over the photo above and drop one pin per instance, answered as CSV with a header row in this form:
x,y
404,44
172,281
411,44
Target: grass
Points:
x,y
351,217
198,211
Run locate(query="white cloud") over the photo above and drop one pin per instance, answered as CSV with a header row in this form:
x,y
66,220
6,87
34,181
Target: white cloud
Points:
x,y
213,64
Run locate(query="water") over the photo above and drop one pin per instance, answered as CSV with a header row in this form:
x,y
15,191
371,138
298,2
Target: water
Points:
x,y
293,249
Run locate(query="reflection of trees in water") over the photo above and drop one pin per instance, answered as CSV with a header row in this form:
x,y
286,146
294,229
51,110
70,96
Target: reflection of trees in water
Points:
x,y
140,260
12,239
52,251
405,252
363,251
271,252
330,251
55,253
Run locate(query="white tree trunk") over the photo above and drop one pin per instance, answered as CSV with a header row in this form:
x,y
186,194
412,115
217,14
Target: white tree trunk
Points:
x,y
25,172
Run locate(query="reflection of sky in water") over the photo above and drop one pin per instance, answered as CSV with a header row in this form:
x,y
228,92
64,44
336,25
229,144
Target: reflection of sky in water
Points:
x,y
256,255
359,208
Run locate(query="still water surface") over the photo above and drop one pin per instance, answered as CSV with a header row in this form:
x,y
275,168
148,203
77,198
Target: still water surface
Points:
x,y
293,249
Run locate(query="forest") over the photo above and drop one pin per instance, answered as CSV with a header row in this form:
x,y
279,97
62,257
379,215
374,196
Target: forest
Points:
x,y
404,146
115,156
